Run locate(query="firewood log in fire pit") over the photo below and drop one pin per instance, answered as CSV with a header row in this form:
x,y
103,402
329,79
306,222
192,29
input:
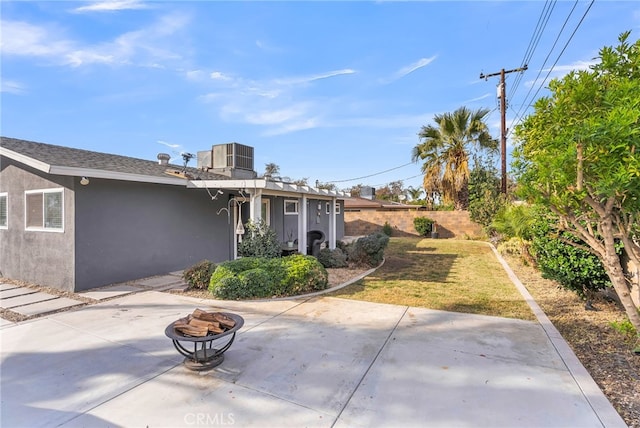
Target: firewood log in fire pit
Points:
x,y
201,323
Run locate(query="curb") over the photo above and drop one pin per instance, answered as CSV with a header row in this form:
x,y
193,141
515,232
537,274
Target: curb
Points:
x,y
601,406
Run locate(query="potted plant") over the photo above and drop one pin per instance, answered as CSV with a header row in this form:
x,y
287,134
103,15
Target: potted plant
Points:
x,y
290,237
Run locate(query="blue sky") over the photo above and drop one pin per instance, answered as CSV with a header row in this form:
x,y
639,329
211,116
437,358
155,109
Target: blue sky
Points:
x,y
326,90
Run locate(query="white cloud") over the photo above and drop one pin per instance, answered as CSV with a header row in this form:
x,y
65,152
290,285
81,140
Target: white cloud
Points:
x,y
217,75
307,79
271,117
267,47
404,71
194,75
292,127
271,103
173,146
482,97
23,39
112,5
578,65
146,47
12,87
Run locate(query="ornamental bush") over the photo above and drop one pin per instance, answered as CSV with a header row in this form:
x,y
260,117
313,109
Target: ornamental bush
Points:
x,y
387,229
369,250
259,240
260,277
332,258
199,275
303,274
423,225
574,268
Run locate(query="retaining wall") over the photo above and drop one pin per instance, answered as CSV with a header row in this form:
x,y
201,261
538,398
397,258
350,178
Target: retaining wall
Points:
x,y
450,224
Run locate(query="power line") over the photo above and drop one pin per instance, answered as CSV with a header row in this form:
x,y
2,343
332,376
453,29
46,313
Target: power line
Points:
x,y
370,175
402,179
543,20
524,103
564,48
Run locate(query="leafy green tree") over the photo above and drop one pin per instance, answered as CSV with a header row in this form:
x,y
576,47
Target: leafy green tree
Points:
x,y
579,154
485,198
444,149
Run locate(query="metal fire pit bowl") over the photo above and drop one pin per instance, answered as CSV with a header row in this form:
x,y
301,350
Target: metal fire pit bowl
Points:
x,y
204,356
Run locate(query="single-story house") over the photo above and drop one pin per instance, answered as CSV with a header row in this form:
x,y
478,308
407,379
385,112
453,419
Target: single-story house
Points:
x,y
76,219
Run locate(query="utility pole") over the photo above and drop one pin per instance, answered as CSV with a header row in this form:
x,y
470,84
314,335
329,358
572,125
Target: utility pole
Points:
x,y
502,94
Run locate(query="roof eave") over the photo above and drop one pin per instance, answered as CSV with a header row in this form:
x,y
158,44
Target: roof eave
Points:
x,y
27,160
114,175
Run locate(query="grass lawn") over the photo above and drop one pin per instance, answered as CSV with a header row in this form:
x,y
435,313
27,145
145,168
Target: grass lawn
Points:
x,y
444,274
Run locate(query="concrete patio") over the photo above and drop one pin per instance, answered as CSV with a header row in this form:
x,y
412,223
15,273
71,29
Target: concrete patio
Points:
x,y
302,362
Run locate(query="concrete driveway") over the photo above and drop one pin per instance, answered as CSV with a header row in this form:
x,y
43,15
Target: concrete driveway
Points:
x,y
303,362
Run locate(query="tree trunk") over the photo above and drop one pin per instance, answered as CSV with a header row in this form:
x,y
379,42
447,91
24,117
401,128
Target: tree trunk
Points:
x,y
462,198
613,267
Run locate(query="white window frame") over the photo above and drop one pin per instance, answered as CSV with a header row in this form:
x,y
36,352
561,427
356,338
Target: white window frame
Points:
x,y
296,205
337,207
328,208
44,228
5,195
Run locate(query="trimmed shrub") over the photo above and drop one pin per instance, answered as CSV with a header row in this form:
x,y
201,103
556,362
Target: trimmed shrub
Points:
x,y
387,229
199,275
259,277
304,274
259,240
368,251
423,225
332,258
574,268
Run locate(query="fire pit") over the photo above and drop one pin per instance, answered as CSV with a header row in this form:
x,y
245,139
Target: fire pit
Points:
x,y
199,331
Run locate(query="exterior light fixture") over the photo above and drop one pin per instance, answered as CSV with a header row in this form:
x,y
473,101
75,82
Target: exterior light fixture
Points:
x,y
84,181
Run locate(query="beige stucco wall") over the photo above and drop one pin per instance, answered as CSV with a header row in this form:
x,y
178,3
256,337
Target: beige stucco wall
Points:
x,y
451,224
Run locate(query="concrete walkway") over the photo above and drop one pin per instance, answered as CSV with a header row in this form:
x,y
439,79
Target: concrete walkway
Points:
x,y
302,362
30,302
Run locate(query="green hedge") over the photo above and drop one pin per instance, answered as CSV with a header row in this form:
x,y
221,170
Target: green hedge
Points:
x,y
259,277
574,268
423,225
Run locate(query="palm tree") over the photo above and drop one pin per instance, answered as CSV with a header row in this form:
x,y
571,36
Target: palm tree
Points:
x,y
444,150
414,192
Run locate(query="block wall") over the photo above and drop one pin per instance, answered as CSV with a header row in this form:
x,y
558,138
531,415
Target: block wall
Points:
x,y
450,224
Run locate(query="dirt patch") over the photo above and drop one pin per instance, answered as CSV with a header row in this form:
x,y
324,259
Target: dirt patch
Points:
x,y
602,350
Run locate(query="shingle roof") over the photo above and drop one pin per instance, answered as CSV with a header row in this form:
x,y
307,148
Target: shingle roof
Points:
x,y
84,159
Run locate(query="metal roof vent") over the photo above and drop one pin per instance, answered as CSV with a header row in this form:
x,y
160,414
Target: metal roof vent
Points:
x,y
163,158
